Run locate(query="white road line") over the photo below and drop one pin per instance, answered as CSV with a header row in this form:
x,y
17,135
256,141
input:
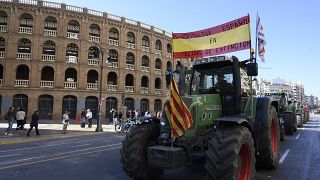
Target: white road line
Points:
x,y
81,145
64,153
284,156
50,145
10,155
61,157
298,136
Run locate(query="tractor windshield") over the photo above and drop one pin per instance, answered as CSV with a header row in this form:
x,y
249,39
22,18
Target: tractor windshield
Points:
x,y
214,80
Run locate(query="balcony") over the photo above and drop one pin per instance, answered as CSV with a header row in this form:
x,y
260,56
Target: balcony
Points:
x,y
169,55
94,39
113,65
23,56
130,45
158,52
112,87
47,57
144,90
2,54
129,89
92,86
158,71
114,42
72,59
21,83
144,68
130,66
25,30
72,35
46,84
145,49
47,32
93,62
157,91
1,82
3,28
70,85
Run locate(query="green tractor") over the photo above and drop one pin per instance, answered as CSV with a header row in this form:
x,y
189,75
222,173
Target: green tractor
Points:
x,y
282,99
290,118
234,130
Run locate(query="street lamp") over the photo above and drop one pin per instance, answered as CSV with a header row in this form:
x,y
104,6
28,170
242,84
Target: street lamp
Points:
x,y
99,124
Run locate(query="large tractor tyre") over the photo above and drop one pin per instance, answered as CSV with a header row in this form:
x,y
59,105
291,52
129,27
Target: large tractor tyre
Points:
x,y
299,120
269,146
288,123
231,154
134,151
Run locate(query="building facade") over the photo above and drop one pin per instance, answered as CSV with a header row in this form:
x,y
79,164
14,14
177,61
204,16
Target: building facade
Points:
x,y
51,60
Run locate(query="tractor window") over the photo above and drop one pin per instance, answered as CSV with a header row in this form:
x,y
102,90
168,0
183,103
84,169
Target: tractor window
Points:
x,y
212,81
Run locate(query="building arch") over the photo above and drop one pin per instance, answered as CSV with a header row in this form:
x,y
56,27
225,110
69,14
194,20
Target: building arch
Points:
x,y
69,103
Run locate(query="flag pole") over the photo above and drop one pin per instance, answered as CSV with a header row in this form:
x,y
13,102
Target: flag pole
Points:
x,y
251,57
256,39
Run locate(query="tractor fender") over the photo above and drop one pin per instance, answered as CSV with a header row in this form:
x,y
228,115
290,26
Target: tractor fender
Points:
x,y
235,120
262,109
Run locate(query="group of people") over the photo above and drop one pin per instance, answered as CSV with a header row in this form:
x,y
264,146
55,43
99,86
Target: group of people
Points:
x,y
20,117
86,115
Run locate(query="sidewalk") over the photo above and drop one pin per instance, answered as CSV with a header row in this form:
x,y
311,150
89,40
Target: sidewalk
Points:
x,y
49,129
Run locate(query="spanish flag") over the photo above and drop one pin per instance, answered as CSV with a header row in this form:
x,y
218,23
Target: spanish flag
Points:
x,y
177,112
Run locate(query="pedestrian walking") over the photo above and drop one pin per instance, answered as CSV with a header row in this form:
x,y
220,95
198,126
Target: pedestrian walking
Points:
x,y
65,122
83,118
34,123
9,117
20,117
89,117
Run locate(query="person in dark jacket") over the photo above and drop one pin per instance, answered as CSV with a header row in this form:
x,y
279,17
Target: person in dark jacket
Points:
x,y
34,123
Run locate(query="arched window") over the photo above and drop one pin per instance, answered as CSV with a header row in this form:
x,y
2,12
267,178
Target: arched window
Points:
x,y
157,83
94,30
131,38
70,75
69,103
45,106
157,105
26,20
129,80
3,18
22,72
50,23
129,102
2,46
169,48
47,73
144,82
92,104
144,106
72,53
158,45
24,46
145,61
145,41
73,26
114,55
158,64
49,48
93,52
114,34
130,58
21,100
111,103
112,78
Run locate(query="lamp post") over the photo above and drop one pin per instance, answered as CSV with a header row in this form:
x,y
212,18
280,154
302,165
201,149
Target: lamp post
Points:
x,y
99,124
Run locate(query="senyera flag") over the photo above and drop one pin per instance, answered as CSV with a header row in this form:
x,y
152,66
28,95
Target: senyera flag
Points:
x,y
177,112
225,38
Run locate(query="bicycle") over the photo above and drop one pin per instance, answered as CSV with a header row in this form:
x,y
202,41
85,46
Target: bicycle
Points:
x,y
123,126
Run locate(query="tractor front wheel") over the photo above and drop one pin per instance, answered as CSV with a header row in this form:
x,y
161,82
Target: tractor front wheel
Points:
x,y
231,154
134,151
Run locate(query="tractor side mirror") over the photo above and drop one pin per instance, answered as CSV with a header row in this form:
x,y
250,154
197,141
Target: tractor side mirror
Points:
x,y
252,69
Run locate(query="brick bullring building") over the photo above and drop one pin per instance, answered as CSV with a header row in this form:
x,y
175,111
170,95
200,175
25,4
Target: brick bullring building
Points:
x,y
51,59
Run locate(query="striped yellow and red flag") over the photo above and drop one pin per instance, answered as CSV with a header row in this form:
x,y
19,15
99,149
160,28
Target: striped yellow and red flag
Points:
x,y
177,112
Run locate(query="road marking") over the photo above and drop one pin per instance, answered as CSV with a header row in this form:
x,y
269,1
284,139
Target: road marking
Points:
x,y
81,145
61,157
10,155
298,136
50,145
64,153
284,156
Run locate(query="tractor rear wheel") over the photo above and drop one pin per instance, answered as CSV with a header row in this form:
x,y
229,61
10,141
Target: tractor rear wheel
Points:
x,y
269,146
231,154
134,151
288,122
299,120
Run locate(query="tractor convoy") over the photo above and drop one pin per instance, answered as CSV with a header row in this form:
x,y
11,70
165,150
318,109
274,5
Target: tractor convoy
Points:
x,y
233,130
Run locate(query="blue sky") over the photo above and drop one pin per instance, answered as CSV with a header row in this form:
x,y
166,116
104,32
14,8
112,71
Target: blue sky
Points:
x,y
292,28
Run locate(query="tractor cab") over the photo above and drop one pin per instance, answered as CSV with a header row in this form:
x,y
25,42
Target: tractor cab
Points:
x,y
219,75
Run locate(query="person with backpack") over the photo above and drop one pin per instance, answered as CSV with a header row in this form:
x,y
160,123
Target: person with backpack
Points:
x,y
9,117
34,123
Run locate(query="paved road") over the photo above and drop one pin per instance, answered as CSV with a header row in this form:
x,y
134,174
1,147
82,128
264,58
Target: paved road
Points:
x,y
97,157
